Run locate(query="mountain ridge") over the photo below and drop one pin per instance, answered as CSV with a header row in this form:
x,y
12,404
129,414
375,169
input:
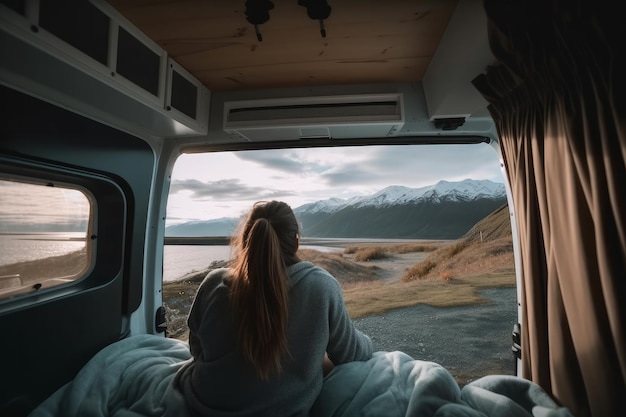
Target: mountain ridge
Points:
x,y
445,210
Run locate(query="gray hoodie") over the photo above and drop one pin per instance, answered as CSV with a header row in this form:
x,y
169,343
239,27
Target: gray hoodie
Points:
x,y
219,382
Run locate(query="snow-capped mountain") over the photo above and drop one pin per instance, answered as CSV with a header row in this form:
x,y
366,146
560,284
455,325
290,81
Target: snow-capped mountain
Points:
x,y
396,194
325,206
445,210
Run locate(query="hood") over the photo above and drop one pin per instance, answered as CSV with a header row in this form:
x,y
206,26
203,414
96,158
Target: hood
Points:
x,y
299,270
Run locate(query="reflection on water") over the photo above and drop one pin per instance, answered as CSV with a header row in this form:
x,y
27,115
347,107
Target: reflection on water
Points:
x,y
29,247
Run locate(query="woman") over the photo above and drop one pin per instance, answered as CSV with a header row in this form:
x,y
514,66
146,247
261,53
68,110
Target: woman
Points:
x,y
259,331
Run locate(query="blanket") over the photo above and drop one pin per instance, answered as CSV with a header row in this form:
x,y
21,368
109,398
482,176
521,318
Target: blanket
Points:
x,y
394,384
133,378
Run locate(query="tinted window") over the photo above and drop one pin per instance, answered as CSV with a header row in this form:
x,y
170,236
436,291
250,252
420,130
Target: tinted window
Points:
x,y
43,236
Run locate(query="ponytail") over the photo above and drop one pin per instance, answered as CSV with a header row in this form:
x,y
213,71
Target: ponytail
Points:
x,y
260,287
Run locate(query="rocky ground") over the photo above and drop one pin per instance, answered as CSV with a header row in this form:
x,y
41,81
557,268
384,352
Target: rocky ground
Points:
x,y
471,341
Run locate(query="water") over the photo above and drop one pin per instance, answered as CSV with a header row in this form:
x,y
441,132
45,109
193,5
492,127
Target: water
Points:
x,y
179,260
28,247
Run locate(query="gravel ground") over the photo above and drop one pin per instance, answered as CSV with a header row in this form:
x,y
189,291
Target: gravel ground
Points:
x,y
470,342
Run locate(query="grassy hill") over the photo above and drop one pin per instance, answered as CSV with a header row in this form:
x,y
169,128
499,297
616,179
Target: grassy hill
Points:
x,y
486,248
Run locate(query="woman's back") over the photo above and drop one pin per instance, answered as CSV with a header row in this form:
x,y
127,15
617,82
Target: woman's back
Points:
x,y
230,386
225,377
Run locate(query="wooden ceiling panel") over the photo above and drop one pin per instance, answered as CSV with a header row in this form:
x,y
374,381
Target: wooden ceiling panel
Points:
x,y
367,40
303,74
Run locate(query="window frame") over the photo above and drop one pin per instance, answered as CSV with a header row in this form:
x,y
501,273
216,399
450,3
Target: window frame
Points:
x,y
105,245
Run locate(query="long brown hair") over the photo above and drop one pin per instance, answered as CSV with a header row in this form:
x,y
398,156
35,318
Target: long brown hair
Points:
x,y
265,246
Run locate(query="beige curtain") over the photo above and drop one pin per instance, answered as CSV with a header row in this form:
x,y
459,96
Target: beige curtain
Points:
x,y
558,97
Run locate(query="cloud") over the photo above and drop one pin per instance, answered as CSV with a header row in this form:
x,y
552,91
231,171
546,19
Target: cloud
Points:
x,y
224,190
414,166
293,162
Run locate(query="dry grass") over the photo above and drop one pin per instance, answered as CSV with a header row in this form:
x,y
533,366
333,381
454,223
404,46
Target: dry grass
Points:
x,y
463,258
364,299
343,269
396,247
369,254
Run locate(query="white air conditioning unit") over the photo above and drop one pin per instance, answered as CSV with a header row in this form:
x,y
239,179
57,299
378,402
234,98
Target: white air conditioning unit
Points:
x,y
333,117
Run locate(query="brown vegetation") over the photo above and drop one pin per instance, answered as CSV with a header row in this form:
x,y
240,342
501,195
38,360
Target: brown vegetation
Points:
x,y
369,252
465,258
364,299
487,247
341,268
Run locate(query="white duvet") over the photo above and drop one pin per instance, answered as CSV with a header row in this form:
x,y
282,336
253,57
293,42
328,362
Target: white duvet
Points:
x,y
133,378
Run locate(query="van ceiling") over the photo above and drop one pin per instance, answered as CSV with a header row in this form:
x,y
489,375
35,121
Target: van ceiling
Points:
x,y
367,41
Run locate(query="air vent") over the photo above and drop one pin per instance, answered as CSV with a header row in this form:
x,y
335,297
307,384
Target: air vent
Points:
x,y
336,117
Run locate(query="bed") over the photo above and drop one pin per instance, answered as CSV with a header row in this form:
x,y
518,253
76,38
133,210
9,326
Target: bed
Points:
x,y
133,378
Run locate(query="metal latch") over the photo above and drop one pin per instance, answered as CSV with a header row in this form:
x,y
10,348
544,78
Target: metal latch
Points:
x,y
517,341
160,320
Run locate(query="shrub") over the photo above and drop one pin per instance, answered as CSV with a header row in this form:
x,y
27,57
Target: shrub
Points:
x,y
367,254
419,271
351,249
456,248
413,247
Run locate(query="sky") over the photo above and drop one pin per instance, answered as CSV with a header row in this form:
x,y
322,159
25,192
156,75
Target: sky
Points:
x,y
215,185
29,207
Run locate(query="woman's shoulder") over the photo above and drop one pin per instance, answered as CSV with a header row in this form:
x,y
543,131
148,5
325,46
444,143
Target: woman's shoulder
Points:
x,y
215,278
309,274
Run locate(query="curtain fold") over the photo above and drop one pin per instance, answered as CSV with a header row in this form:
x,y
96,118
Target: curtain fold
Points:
x,y
558,99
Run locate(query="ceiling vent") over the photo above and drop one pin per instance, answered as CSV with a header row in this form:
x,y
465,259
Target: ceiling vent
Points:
x,y
332,117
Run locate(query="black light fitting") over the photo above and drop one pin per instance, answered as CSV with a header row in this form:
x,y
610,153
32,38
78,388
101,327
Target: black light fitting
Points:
x,y
257,13
317,10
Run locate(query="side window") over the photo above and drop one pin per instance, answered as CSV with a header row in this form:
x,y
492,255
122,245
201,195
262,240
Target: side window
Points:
x,y
43,236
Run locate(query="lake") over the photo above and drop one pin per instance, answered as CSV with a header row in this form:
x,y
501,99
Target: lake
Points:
x,y
27,247
179,260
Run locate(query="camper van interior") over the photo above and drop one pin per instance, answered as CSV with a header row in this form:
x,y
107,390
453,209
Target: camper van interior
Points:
x,y
104,104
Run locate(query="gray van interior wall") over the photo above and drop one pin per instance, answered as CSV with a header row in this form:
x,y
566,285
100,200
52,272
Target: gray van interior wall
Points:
x,y
51,340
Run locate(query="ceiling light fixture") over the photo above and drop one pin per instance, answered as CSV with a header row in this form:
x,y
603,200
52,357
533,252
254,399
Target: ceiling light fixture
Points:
x,y
257,13
317,10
